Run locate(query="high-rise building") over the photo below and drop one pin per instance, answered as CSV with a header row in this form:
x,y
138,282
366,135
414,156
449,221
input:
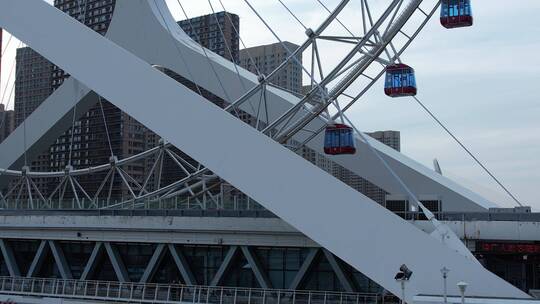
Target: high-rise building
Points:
x,y
7,122
217,32
90,144
32,82
32,87
389,138
266,58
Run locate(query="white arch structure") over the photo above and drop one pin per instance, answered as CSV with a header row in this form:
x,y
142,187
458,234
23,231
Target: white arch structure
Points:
x,y
347,223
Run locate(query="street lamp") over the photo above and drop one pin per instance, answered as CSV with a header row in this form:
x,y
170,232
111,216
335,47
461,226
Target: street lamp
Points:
x,y
403,276
445,272
462,287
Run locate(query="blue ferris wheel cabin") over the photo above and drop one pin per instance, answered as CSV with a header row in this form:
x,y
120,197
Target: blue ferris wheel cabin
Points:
x,y
400,81
456,13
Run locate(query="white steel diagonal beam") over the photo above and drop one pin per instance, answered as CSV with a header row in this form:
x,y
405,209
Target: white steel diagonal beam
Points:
x,y
38,260
92,262
253,261
182,265
153,264
228,260
338,270
347,223
306,266
9,259
117,263
60,260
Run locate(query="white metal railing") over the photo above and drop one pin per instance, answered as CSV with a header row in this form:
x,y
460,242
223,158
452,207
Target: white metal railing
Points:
x,y
161,293
237,202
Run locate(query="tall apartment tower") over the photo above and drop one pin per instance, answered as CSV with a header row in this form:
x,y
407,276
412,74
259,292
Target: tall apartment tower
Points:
x,y
32,87
266,58
389,138
217,32
37,78
32,82
7,122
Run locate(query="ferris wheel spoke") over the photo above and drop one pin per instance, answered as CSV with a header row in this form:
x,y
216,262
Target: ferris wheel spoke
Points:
x,y
3,200
37,191
74,190
125,181
86,196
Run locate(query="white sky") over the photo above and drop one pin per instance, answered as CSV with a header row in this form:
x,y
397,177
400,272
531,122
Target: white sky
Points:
x,y
481,81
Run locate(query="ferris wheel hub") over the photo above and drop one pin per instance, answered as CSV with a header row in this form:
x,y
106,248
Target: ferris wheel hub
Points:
x,y
310,33
113,160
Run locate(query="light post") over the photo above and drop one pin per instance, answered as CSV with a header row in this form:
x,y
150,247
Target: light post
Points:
x,y
445,272
402,291
403,276
462,287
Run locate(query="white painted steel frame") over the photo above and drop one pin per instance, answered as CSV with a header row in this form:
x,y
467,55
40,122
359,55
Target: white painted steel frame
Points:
x,y
277,178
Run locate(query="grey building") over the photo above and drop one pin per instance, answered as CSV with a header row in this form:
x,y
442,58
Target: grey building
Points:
x,y
32,82
217,32
389,138
37,78
7,122
32,87
266,58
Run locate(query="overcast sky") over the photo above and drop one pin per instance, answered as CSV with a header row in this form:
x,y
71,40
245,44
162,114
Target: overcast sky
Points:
x,y
481,81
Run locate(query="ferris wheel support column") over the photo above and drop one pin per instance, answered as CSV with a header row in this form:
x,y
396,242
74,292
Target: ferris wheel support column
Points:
x,y
340,219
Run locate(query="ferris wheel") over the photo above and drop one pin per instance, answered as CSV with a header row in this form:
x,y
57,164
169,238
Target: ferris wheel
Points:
x,y
367,56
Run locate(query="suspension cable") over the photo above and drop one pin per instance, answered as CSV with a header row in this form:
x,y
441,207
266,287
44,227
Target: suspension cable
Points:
x,y
444,231
241,40
293,15
283,44
184,62
74,113
24,121
203,49
229,100
7,45
8,102
343,25
106,126
337,19
439,122
12,68
227,46
402,184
